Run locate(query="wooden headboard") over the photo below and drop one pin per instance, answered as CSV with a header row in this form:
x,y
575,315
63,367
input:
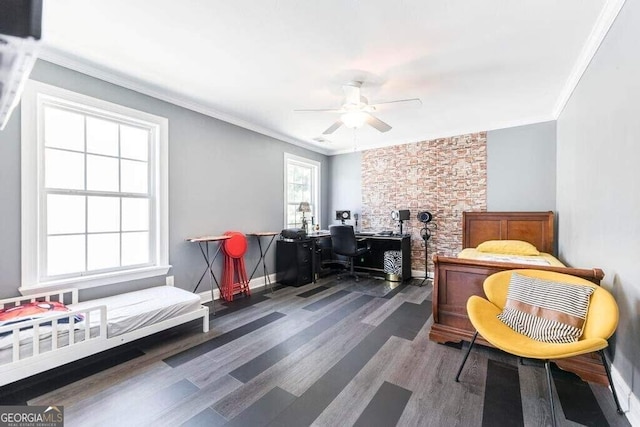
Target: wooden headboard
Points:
x,y
533,227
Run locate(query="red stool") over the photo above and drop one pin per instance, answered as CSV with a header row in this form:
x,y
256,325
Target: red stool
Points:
x,y
234,273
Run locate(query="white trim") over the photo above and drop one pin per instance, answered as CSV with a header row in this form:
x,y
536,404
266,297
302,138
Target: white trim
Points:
x,y
318,181
255,284
35,94
84,66
629,402
63,59
457,131
96,280
599,31
419,274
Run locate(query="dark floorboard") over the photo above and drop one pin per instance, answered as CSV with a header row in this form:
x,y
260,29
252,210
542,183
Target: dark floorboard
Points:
x,y
385,408
307,407
502,400
312,292
220,340
332,353
577,399
20,392
270,357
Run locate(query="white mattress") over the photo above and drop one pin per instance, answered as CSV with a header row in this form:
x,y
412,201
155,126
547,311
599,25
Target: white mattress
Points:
x,y
134,310
125,313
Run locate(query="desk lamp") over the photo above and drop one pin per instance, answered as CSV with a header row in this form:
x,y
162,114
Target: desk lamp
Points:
x,y
304,207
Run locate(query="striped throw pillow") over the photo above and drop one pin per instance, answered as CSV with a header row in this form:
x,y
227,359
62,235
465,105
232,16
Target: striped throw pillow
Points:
x,y
544,310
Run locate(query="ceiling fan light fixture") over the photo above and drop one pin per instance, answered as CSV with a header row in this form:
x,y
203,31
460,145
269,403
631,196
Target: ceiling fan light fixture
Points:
x,y
354,119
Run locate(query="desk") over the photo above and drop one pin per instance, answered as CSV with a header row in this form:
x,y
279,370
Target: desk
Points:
x,y
203,243
314,237
372,261
294,262
273,235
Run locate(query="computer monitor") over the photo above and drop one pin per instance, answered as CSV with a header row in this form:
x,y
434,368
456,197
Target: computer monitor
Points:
x,y
343,215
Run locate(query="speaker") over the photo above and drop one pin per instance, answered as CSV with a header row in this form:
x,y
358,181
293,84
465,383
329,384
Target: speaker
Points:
x,y
343,215
425,216
401,215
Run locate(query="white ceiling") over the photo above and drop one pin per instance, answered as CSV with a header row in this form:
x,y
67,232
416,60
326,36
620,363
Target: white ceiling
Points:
x,y
476,65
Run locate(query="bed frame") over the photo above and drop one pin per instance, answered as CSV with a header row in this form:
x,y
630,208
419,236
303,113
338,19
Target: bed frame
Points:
x,y
68,343
457,279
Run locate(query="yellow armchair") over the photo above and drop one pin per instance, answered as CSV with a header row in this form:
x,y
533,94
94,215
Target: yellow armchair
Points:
x,y
600,324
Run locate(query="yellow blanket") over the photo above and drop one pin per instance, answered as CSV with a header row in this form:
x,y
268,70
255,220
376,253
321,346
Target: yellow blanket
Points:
x,y
542,259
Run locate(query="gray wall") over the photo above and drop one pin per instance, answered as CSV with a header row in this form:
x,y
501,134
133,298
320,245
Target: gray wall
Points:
x,y
346,185
521,168
521,171
221,177
598,192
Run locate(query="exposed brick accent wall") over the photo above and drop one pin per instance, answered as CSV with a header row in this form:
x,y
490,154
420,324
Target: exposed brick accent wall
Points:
x,y
444,176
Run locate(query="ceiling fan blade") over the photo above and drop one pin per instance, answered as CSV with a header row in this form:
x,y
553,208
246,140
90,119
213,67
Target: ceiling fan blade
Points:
x,y
352,93
413,102
378,124
319,110
334,127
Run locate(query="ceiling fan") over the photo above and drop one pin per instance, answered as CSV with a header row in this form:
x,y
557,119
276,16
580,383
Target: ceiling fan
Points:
x,y
356,110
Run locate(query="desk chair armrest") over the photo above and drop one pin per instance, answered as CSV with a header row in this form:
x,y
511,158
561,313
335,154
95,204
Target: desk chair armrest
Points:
x,y
364,240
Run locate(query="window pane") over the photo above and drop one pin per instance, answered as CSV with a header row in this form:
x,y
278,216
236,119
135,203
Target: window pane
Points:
x,y
65,254
134,143
63,129
104,214
103,251
306,194
135,214
134,177
64,169
291,215
135,248
102,173
102,136
65,214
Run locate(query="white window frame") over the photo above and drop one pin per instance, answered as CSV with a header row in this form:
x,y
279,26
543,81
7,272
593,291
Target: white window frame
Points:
x,y
35,96
315,193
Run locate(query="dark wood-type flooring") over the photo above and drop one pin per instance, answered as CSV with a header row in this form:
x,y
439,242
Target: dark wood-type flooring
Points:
x,y
334,353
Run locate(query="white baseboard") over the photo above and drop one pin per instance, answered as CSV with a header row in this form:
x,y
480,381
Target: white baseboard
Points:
x,y
419,274
628,401
255,283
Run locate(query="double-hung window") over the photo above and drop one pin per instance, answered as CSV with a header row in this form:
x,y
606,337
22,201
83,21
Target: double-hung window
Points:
x,y
302,185
94,191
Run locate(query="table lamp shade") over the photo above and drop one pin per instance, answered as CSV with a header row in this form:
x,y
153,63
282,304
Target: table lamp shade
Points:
x,y
304,207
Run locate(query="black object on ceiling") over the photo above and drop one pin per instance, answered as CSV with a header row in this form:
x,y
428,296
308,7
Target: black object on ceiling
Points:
x,y
21,18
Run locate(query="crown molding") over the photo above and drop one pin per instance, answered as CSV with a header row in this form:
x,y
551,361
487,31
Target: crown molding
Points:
x,y
451,133
599,31
63,59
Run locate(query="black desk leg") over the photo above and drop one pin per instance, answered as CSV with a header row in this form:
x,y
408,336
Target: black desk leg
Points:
x,y
263,260
209,269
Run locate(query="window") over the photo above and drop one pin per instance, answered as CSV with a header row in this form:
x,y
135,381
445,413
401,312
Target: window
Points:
x,y
302,184
94,191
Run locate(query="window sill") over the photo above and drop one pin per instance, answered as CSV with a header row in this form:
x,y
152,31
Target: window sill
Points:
x,y
96,280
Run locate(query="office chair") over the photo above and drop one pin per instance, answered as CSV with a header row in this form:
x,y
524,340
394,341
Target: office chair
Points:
x,y
600,324
344,242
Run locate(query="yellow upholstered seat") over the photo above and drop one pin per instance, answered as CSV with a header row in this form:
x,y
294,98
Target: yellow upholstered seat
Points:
x,y
600,324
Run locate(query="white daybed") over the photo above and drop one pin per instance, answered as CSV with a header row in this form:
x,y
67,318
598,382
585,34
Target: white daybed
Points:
x,y
34,346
